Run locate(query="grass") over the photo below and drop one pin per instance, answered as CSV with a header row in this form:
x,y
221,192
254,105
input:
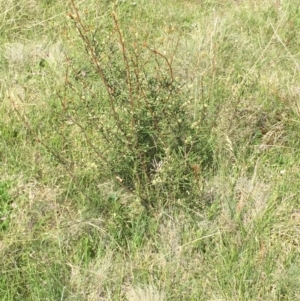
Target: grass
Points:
x,y
225,219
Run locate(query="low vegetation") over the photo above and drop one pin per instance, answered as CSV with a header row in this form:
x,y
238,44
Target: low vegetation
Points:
x,y
149,151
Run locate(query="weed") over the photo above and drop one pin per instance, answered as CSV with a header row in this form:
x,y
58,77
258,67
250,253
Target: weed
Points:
x,y
134,115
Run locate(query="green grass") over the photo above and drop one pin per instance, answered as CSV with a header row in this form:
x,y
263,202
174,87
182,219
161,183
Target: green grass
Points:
x,y
225,218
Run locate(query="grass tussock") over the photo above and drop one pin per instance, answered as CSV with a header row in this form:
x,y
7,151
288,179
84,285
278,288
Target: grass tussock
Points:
x,y
149,151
